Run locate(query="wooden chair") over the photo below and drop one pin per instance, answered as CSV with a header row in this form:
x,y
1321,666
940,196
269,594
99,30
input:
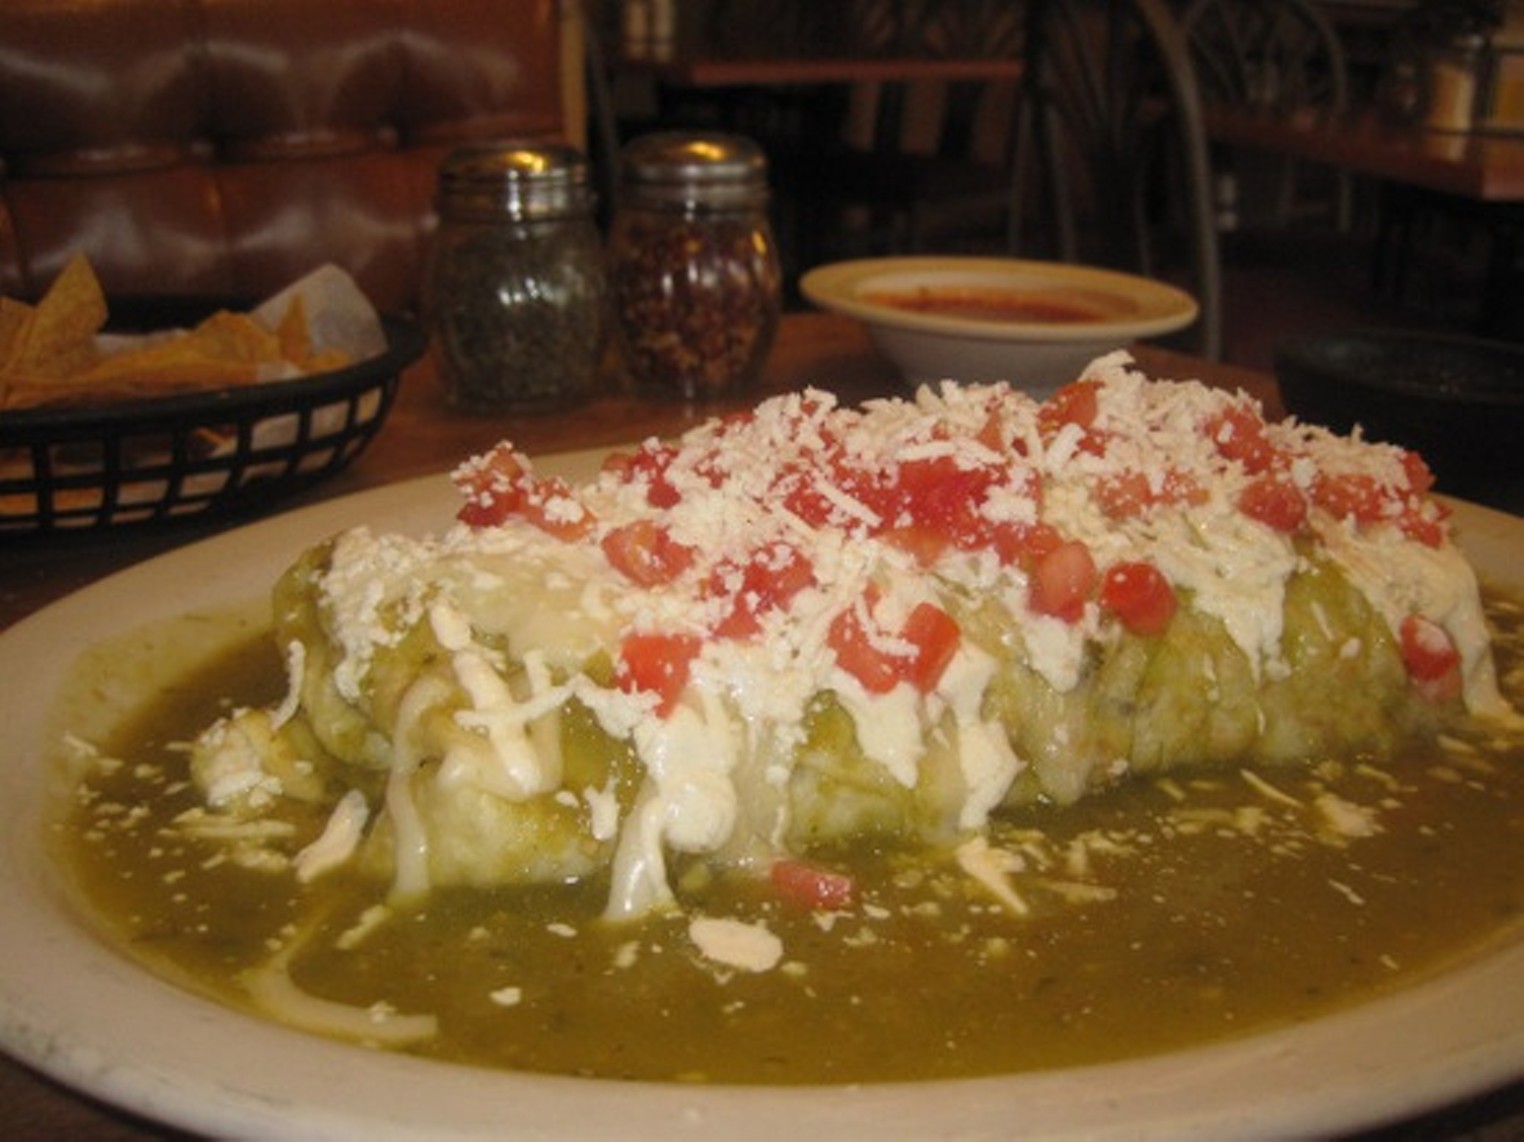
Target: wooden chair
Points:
x,y
1442,252
901,167
1111,136
916,167
1278,58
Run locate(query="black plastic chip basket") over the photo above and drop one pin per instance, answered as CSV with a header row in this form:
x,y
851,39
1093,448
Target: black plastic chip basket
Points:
x,y
228,450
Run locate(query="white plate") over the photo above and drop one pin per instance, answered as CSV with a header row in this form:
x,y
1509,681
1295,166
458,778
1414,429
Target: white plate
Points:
x,y
1036,355
81,1012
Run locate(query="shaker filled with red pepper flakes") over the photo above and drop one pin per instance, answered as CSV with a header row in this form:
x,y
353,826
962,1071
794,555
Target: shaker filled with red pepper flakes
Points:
x,y
693,266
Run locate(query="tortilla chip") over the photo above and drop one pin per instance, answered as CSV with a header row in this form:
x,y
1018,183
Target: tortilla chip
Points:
x,y
189,360
295,334
15,326
50,356
327,361
235,337
61,339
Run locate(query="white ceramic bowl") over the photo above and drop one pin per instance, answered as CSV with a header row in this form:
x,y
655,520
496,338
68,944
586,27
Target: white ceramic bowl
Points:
x,y
1046,320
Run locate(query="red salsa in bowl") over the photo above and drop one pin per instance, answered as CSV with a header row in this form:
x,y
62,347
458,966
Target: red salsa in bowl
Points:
x,y
983,303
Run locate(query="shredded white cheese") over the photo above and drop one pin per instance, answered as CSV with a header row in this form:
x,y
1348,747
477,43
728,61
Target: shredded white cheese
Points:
x,y
750,947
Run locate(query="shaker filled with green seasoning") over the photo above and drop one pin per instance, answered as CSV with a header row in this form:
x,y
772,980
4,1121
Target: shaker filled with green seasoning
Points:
x,y
515,292
693,266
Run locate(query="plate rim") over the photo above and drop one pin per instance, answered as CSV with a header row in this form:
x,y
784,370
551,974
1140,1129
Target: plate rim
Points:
x,y
238,1074
1164,308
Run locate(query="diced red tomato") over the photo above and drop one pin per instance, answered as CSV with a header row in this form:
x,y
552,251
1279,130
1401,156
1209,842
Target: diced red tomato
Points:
x,y
941,496
645,553
661,494
649,463
621,464
933,636
1423,519
1426,527
1238,433
484,512
553,507
1140,596
1074,403
1351,494
1023,544
499,485
876,669
806,885
800,488
493,486
922,543
1427,649
1432,661
1273,500
1009,541
924,505
932,505
657,664
1359,496
992,434
1420,477
769,579
1124,494
1062,581
1181,488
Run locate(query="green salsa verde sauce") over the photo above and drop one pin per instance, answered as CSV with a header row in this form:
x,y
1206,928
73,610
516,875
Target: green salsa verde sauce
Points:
x,y
1159,915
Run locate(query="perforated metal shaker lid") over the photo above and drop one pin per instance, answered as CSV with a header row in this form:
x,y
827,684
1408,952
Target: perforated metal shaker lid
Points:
x,y
514,180
710,168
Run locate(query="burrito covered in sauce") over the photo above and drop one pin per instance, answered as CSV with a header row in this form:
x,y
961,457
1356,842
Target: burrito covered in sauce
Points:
x,y
812,624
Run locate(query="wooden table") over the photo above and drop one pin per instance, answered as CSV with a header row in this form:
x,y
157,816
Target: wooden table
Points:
x,y
1485,168
420,438
703,71
1474,176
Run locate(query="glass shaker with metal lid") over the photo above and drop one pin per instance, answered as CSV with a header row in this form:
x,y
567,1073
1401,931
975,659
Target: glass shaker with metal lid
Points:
x,y
693,267
515,293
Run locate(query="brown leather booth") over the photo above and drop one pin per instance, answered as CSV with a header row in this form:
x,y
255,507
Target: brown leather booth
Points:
x,y
228,146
